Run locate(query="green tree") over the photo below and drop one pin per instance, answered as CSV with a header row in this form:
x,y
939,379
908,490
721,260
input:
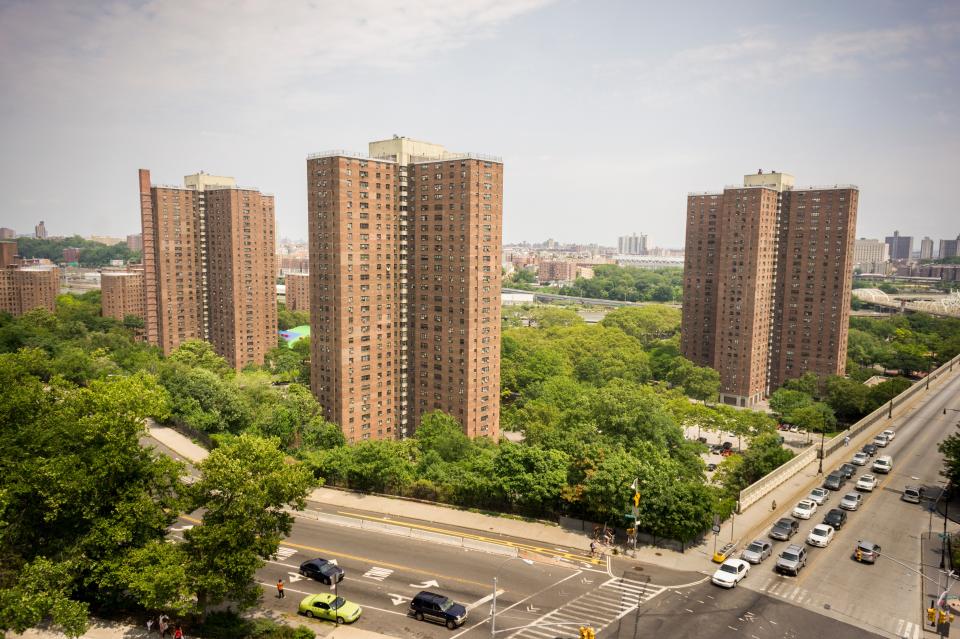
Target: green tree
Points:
x,y
531,477
199,354
444,435
784,401
849,399
244,487
950,449
764,455
645,323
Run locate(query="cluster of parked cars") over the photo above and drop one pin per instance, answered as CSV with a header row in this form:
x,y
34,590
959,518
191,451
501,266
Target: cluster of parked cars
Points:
x,y
794,557
425,606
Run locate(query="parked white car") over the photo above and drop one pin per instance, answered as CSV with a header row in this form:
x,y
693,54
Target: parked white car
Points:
x,y
890,434
805,509
820,536
860,459
867,483
730,573
881,440
819,495
851,501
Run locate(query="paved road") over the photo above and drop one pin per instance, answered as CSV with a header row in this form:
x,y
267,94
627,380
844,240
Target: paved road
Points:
x,y
888,596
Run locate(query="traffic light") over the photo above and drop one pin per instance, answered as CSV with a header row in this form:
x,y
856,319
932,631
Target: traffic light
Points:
x,y
932,615
586,632
583,632
859,555
636,499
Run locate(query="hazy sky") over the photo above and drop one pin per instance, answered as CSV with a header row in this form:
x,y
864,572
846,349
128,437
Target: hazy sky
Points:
x,y
606,113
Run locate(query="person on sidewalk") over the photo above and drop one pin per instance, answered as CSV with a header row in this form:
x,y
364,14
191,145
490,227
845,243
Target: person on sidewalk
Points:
x,y
178,633
280,588
846,440
149,625
163,625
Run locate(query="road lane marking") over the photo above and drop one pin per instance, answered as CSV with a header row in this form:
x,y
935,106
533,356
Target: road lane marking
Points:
x,y
284,553
502,542
377,573
482,600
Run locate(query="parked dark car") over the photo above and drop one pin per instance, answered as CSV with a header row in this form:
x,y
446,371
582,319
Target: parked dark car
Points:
x,y
702,440
866,552
727,445
870,449
438,609
323,570
836,518
834,481
784,529
848,470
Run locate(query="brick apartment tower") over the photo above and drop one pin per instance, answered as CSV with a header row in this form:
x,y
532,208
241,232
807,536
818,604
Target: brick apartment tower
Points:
x,y
8,253
24,288
209,266
298,291
121,294
767,283
405,287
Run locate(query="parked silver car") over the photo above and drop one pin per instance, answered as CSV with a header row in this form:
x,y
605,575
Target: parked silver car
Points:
x,y
757,551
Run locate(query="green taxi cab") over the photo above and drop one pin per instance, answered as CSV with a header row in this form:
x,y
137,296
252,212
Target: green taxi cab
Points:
x,y
328,606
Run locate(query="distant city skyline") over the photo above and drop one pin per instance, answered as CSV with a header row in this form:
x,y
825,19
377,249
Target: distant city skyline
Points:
x,y
606,113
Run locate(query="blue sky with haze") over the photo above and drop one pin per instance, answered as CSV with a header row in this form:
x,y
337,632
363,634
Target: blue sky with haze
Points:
x,y
606,113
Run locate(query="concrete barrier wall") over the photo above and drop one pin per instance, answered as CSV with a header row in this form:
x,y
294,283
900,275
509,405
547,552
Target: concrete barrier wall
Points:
x,y
762,487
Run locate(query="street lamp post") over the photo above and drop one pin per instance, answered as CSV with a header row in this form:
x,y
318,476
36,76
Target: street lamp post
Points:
x,y
820,468
493,602
946,514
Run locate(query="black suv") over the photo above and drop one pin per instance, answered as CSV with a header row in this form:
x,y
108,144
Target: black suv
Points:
x,y
438,609
848,470
836,518
322,570
834,481
870,449
784,529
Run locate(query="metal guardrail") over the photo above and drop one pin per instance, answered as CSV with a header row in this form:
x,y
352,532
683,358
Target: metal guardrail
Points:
x,y
762,487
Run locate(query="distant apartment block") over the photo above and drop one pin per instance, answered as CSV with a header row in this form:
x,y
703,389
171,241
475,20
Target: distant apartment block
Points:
x,y
926,249
767,282
209,266
71,254
949,248
106,240
297,291
293,264
7,234
405,284
135,242
40,231
122,294
632,244
901,246
870,256
24,288
557,271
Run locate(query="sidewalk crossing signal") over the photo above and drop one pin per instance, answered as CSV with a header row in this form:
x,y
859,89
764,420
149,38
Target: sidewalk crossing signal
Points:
x,y
587,632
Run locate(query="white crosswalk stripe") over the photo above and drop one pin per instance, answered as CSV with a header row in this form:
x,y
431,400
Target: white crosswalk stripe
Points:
x,y
377,573
285,553
783,588
598,608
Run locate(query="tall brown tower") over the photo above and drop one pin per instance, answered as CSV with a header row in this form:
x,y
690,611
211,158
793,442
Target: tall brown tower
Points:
x,y
405,287
764,276
209,266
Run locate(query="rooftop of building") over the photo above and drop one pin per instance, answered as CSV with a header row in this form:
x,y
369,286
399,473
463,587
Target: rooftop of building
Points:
x,y
449,156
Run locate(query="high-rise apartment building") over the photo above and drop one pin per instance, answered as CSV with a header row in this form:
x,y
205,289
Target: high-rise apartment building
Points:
x,y
926,249
209,266
901,246
870,256
40,231
135,242
8,253
121,294
297,291
7,233
557,271
632,244
949,248
24,288
767,283
405,287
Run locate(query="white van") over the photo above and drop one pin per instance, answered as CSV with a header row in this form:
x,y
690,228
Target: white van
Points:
x,y
883,464
881,440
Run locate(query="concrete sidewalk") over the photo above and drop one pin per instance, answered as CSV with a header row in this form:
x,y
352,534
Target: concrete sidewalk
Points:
x,y
101,629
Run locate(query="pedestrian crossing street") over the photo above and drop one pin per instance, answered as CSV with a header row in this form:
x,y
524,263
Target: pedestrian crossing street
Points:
x,y
598,608
784,589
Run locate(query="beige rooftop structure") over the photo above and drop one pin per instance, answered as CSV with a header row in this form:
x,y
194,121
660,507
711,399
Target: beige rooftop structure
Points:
x,y
402,149
777,181
201,181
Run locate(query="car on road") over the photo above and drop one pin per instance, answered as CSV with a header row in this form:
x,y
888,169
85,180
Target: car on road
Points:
x,y
820,536
835,518
867,483
328,606
730,573
889,434
323,570
870,449
883,464
805,509
819,495
727,445
860,459
792,559
784,529
757,551
439,609
866,552
912,494
724,553
848,470
881,441
851,501
834,481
